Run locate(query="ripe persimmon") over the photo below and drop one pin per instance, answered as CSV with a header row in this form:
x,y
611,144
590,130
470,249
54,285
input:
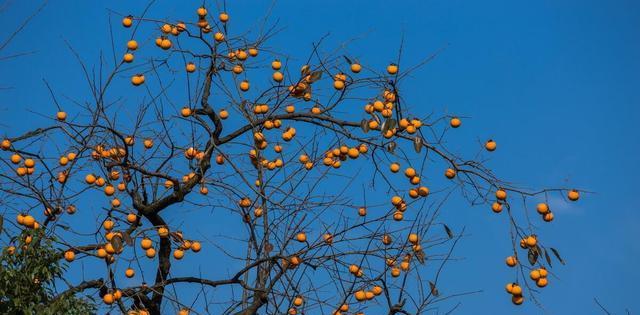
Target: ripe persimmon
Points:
x,y
542,208
455,122
542,282
517,299
132,45
108,299
127,21
5,145
163,231
15,158
573,195
490,145
129,273
151,252
450,173
496,207
29,163
514,289
531,241
410,172
413,238
224,17
69,255
190,67
137,79
245,202
392,69
244,85
61,116
534,275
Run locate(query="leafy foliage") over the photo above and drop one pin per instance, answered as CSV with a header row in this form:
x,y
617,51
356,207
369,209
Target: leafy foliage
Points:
x,y
28,273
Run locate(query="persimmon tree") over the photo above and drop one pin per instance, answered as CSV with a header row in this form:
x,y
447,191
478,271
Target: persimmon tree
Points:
x,y
321,185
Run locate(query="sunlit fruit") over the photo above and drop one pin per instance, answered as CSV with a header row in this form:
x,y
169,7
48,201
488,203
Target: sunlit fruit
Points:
x,y
127,21
542,282
455,122
490,145
69,255
276,64
450,173
190,67
61,116
132,45
392,69
278,76
108,299
244,85
542,208
137,79
6,144
573,195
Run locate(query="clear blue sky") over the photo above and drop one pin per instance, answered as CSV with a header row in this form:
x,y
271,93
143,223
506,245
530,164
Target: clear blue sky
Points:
x,y
556,83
